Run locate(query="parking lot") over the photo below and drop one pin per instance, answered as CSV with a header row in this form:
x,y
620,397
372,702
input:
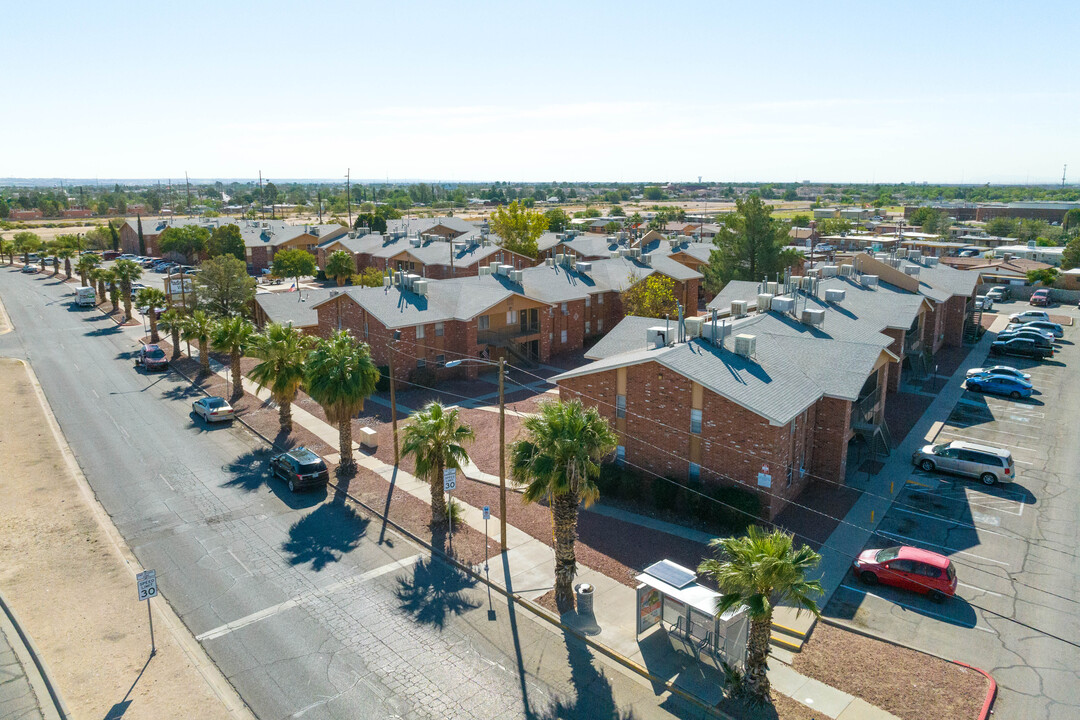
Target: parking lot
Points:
x,y
1015,546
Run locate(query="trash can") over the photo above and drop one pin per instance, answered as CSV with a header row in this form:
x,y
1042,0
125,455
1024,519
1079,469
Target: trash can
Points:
x,y
584,595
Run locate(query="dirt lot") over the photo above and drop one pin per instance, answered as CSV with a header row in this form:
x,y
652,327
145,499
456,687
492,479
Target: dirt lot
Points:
x,y
73,588
909,684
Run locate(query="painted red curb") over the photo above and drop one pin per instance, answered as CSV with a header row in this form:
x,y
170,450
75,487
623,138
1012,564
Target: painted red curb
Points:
x,y
990,693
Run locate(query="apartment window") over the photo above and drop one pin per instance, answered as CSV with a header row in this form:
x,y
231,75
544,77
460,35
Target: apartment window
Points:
x,y
600,324
483,322
438,329
511,317
365,330
695,472
599,299
563,337
419,332
565,310
620,454
588,301
588,328
620,406
440,360
421,362
695,422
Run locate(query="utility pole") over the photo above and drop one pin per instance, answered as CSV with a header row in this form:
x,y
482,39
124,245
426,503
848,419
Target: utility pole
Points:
x,y
188,185
319,197
348,195
262,205
393,405
1063,174
502,456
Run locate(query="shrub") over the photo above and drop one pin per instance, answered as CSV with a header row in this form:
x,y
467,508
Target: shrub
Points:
x,y
384,379
664,492
734,507
424,376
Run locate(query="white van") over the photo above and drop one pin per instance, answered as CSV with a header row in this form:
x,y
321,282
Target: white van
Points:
x,y
85,297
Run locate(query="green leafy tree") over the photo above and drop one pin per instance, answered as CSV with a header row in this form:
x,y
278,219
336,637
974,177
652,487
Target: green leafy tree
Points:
x,y
1071,221
559,461
435,438
294,263
370,277
340,266
226,240
833,226
84,265
172,322
1070,257
114,237
126,272
800,220
557,219
189,241
26,242
1001,227
6,248
757,571
652,297
142,238
283,351
653,193
519,228
612,227
748,245
153,299
223,286
373,222
1045,277
197,327
233,335
340,375
617,211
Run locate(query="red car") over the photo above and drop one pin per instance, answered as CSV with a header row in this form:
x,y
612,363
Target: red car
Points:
x,y
152,357
1040,297
909,568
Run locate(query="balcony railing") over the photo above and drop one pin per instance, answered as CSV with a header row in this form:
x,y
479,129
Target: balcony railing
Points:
x,y
864,410
504,335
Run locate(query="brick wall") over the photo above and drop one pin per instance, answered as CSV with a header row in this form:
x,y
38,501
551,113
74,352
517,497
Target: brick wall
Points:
x,y
896,347
955,308
832,431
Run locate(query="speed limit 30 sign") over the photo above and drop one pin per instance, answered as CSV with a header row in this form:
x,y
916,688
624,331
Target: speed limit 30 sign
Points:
x,y
147,583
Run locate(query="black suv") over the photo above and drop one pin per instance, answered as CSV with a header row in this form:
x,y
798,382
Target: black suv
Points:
x,y
300,468
1021,347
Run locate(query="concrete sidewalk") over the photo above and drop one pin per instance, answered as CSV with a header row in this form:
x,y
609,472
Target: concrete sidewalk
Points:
x,y
527,569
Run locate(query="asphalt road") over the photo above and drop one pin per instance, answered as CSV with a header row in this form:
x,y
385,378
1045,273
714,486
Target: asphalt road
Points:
x,y
1016,547
310,608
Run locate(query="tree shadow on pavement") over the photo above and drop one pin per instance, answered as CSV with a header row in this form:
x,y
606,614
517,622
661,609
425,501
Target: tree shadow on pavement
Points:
x,y
593,695
435,591
322,536
250,471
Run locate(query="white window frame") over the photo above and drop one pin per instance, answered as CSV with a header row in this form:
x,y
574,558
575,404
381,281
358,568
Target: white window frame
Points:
x,y
439,329
695,416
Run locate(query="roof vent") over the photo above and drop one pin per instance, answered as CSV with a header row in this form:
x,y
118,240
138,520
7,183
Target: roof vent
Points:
x,y
813,317
656,337
835,296
764,302
782,304
870,280
738,308
746,345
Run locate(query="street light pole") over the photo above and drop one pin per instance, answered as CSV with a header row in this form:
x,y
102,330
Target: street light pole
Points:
x,y
393,408
502,457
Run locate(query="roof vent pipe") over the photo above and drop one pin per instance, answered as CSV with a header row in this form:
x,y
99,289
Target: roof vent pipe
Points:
x,y
682,324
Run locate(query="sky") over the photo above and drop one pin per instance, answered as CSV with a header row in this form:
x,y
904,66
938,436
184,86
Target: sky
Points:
x,y
952,91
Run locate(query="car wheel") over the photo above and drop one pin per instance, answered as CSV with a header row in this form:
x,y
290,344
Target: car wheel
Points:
x,y
988,478
938,596
1014,395
292,486
868,577
927,465
973,387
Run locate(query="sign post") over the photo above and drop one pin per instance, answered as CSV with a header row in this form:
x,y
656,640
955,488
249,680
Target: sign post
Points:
x,y
146,581
487,516
449,482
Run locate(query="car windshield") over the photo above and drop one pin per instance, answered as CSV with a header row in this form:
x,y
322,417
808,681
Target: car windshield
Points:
x,y
155,354
215,403
887,554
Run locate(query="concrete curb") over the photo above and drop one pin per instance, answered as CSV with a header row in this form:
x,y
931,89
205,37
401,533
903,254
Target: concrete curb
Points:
x,y
532,607
991,692
58,705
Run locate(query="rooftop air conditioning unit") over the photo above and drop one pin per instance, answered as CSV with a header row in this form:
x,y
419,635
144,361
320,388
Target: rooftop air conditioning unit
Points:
x,y
420,287
870,280
615,255
835,296
782,304
415,242
612,240
739,308
550,262
352,234
813,273
912,270
411,279
795,281
505,269
625,252
494,267
931,262
485,270
915,255
808,284
813,317
387,281
764,302
896,263
881,257
515,276
656,337
773,288
714,333
646,259
746,345
846,270
559,258
829,271
584,267
901,252
693,326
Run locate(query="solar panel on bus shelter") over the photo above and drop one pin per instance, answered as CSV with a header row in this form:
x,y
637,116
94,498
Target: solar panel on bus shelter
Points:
x,y
675,575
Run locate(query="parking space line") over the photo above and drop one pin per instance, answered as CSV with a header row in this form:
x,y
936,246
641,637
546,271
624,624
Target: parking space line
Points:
x,y
993,430
943,547
970,438
982,590
941,519
916,609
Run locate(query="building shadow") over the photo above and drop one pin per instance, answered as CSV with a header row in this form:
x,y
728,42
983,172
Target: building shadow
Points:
x,y
434,591
322,536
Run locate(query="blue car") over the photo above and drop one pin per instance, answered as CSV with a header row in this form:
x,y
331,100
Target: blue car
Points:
x,y
1000,385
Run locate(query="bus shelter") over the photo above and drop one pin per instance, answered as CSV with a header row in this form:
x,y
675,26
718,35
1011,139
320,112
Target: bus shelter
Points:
x,y
670,597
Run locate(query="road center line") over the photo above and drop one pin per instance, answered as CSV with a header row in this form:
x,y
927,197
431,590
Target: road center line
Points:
x,y
300,600
919,610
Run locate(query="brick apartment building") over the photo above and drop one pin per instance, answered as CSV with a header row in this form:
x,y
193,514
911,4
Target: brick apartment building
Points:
x,y
25,215
1048,211
763,393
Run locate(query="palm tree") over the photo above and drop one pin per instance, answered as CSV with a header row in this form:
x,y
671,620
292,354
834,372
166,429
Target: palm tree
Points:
x,y
559,460
435,439
127,272
98,276
283,350
757,571
65,254
172,321
85,264
107,276
339,375
233,335
152,299
340,266
198,326
54,253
